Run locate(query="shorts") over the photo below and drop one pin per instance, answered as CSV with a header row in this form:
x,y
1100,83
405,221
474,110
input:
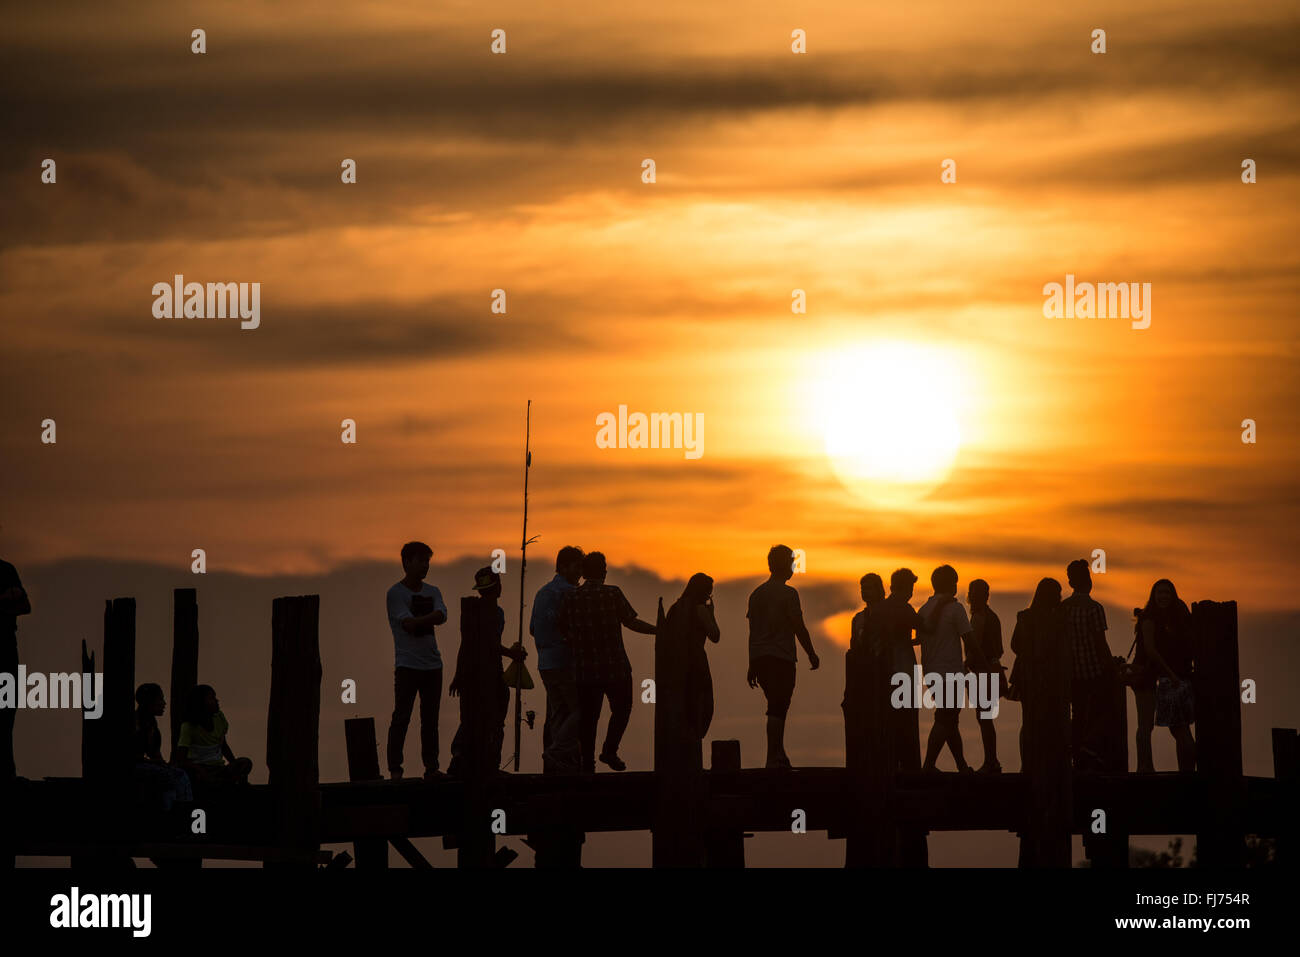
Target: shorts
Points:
x,y
776,678
1174,705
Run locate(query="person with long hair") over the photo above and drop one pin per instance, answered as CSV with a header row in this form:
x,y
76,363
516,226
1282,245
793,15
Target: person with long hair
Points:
x,y
692,620
1162,675
1036,625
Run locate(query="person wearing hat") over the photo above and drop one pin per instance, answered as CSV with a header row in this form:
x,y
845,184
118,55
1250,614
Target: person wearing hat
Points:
x,y
484,696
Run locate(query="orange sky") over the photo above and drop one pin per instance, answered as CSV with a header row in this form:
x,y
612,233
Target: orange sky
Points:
x,y
774,172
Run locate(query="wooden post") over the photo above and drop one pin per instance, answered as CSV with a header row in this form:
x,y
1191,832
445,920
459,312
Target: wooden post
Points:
x,y
185,655
1216,685
870,760
1048,814
91,736
363,765
119,691
475,843
293,727
1110,850
678,831
1286,769
725,846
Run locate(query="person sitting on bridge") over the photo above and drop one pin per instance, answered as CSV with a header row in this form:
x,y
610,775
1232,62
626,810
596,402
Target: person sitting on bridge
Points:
x,y
202,748
484,696
168,783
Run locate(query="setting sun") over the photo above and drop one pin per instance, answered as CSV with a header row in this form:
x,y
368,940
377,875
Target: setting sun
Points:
x,y
889,415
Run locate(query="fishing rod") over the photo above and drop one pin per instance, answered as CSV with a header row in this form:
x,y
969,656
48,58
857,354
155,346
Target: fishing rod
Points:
x,y
523,570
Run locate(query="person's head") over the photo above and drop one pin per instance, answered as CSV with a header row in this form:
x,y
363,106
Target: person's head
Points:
x,y
593,567
487,583
415,560
698,590
1047,595
944,580
149,699
568,563
1078,574
780,562
1164,601
977,593
871,587
902,583
201,705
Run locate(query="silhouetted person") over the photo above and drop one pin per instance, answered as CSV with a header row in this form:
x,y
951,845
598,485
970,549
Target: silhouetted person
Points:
x,y
593,617
202,749
414,608
1162,680
691,621
1037,625
169,783
13,603
484,695
897,621
867,669
985,646
561,752
1093,667
946,628
775,622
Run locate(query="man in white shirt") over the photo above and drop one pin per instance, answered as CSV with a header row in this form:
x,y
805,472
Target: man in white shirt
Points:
x,y
414,608
946,628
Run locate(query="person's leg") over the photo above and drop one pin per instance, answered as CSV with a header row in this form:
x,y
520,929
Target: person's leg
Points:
x,y
550,721
934,743
568,750
430,684
777,683
590,697
1186,746
404,690
496,743
989,738
619,691
1146,722
954,738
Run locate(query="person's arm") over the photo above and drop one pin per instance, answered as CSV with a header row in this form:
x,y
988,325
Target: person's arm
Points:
x,y
801,633
710,622
14,601
1149,643
226,752
515,652
629,618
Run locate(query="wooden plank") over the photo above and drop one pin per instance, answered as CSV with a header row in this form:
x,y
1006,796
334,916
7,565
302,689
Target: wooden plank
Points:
x,y
410,853
185,656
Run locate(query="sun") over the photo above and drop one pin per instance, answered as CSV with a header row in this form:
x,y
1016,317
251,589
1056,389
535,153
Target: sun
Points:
x,y
890,415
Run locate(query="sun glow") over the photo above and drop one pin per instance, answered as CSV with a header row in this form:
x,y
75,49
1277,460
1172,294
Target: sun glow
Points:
x,y
890,415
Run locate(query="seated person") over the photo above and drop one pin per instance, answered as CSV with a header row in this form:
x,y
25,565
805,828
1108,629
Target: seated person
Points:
x,y
202,748
168,783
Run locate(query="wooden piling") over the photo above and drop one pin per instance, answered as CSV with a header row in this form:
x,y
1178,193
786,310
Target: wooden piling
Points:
x,y
293,727
1286,769
1048,815
869,748
678,838
185,656
363,765
475,842
724,843
1216,687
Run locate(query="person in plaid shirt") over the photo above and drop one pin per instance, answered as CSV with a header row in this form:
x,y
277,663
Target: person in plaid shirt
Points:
x,y
1092,665
592,618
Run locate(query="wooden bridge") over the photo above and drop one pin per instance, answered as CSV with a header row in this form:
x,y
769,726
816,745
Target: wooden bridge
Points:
x,y
698,817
